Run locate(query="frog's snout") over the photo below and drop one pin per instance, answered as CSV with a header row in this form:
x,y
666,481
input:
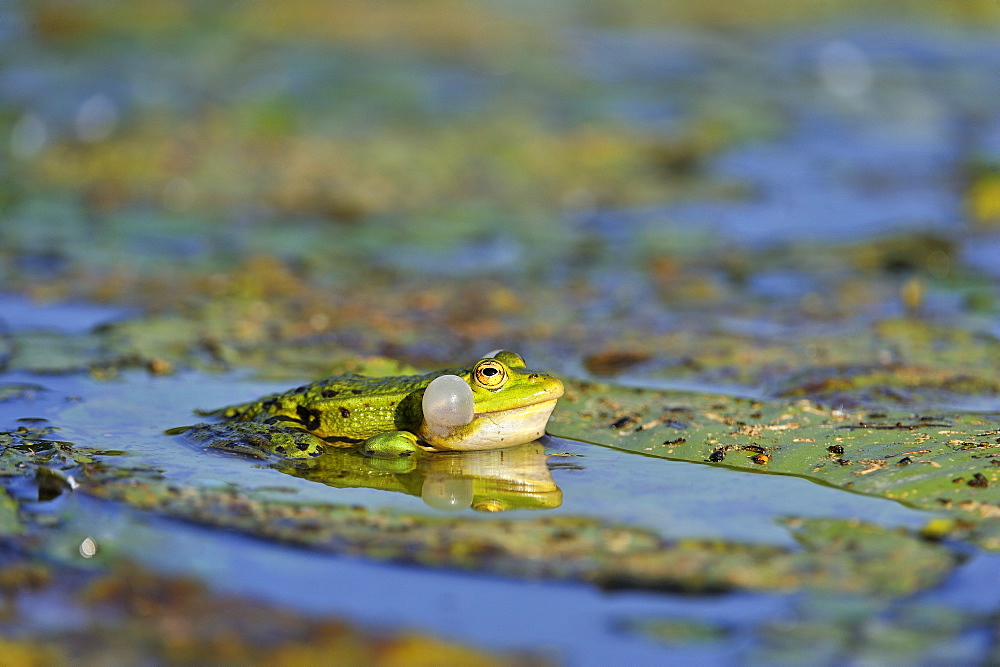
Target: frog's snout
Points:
x,y
553,385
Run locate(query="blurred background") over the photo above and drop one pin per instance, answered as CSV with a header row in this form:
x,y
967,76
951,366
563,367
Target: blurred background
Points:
x,y
688,192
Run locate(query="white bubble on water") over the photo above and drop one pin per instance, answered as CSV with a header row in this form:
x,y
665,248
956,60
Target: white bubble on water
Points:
x,y
88,548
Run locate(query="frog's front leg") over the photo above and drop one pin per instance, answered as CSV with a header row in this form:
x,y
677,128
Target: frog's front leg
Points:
x,y
390,444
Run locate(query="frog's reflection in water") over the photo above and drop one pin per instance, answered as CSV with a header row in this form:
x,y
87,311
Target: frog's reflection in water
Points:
x,y
494,480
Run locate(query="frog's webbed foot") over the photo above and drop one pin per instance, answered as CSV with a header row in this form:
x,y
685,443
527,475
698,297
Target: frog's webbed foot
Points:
x,y
256,440
390,444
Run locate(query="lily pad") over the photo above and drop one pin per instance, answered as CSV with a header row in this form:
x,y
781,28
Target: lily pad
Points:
x,y
835,554
940,460
13,391
837,629
53,352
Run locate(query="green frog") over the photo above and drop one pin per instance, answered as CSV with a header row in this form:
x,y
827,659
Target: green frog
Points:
x,y
495,403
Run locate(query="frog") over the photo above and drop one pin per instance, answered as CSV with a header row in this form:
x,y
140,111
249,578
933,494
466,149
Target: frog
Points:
x,y
497,402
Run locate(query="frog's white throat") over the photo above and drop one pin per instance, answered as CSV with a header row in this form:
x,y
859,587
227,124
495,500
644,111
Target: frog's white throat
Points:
x,y
490,430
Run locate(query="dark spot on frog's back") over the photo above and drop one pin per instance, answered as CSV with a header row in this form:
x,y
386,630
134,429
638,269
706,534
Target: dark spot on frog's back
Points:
x,y
344,412
310,418
329,393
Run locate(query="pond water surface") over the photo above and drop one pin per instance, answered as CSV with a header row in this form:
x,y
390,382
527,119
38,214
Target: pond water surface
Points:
x,y
574,622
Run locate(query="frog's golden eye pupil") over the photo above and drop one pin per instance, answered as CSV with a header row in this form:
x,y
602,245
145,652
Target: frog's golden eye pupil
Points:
x,y
490,372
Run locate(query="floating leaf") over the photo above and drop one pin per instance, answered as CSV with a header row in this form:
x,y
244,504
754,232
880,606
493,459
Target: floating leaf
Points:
x,y
836,555
836,629
940,460
12,391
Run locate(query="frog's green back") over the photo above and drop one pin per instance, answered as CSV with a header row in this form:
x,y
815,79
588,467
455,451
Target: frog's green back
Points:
x,y
345,406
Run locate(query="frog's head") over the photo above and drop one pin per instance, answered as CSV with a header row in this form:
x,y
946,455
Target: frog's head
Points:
x,y
496,403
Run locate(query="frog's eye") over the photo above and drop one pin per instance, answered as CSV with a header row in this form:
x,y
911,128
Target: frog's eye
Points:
x,y
490,374
448,402
512,359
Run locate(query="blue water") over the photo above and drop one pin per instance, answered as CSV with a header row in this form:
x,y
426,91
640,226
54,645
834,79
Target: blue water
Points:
x,y
567,621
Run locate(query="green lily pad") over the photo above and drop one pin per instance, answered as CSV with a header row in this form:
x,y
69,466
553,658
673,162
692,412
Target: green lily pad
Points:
x,y
940,460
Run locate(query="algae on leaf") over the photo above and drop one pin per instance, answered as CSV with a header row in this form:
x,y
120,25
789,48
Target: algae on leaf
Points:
x,y
559,547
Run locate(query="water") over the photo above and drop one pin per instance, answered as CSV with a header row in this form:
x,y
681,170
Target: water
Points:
x,y
572,622
132,412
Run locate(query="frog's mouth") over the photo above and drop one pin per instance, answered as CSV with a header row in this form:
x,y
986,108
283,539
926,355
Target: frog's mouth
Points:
x,y
520,413
493,430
